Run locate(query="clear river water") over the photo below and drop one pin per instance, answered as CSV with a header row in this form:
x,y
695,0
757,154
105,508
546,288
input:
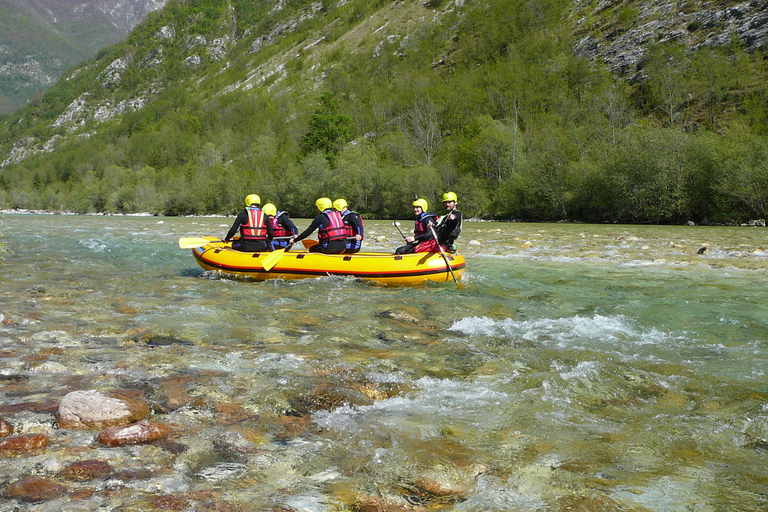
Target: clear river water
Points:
x,y
574,368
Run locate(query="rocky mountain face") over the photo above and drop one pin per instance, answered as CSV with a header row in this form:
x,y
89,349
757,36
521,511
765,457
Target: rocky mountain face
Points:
x,y
40,39
619,32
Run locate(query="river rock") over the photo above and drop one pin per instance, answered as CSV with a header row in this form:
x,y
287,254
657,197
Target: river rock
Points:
x,y
230,413
34,489
24,443
87,470
138,433
93,409
6,428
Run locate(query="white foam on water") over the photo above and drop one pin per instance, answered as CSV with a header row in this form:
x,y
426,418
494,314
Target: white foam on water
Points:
x,y
434,398
567,332
94,244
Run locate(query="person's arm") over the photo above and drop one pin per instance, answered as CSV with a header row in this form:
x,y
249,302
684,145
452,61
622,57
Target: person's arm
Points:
x,y
428,234
286,221
312,227
269,228
358,224
235,226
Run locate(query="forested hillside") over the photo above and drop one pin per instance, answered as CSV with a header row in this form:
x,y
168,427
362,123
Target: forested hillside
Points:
x,y
518,106
41,39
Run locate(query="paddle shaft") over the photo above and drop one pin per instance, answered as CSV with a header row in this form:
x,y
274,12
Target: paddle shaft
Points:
x,y
442,253
397,225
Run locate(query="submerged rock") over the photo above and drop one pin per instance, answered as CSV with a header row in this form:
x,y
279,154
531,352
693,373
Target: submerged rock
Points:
x,y
24,443
6,428
34,489
87,470
93,409
139,433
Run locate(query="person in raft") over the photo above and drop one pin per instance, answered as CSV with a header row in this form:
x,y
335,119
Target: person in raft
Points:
x,y
283,227
422,239
331,233
255,231
448,226
353,224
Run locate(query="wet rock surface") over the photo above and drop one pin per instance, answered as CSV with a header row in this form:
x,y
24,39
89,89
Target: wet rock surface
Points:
x,y
23,443
138,433
94,409
35,489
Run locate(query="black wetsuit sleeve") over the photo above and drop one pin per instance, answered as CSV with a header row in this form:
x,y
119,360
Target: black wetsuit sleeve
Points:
x,y
354,219
312,227
428,234
239,220
288,223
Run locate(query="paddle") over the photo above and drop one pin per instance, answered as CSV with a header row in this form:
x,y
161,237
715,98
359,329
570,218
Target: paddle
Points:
x,y
308,243
442,253
397,225
272,258
192,242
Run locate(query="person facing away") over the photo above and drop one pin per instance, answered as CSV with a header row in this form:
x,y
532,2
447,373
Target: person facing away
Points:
x,y
422,239
353,224
283,227
449,225
255,231
331,232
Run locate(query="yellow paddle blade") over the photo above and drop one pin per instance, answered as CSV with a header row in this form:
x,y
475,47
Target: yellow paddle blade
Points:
x,y
272,258
308,242
192,242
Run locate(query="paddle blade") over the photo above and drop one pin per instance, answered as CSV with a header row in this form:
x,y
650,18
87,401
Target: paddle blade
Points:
x,y
309,243
272,258
191,242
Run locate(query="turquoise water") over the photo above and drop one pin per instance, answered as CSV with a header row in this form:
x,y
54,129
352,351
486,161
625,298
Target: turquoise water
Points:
x,y
576,367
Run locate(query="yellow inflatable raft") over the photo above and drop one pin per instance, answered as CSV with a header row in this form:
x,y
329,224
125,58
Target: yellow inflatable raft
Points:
x,y
390,269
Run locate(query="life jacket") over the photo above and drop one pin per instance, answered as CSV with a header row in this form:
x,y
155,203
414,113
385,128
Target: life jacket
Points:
x,y
335,230
352,231
279,229
422,223
255,227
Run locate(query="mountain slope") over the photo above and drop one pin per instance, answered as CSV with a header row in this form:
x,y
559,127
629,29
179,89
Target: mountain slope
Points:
x,y
40,39
508,102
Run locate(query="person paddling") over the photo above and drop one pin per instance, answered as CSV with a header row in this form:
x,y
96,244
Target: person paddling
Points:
x,y
422,239
354,225
283,227
255,231
449,225
331,234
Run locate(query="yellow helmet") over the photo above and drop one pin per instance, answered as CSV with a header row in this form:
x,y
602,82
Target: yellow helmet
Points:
x,y
252,199
269,209
323,203
450,196
339,204
421,203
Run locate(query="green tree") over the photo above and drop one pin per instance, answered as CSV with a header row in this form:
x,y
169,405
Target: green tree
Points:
x,y
328,130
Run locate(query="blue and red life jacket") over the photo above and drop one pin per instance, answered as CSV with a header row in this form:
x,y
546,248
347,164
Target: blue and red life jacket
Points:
x,y
335,230
422,224
255,227
278,230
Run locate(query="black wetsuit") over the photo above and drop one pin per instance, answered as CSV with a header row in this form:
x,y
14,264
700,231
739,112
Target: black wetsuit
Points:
x,y
249,245
448,230
329,247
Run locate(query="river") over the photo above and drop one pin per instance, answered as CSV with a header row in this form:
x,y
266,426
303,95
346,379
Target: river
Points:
x,y
575,367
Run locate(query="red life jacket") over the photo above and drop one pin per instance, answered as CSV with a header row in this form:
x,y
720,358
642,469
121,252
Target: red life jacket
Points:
x,y
422,224
336,230
352,231
255,227
279,229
